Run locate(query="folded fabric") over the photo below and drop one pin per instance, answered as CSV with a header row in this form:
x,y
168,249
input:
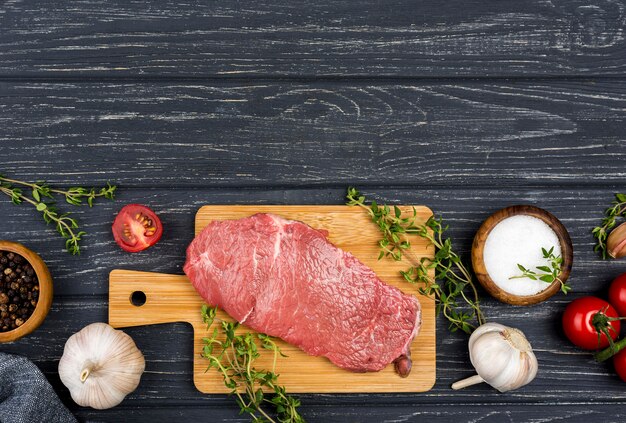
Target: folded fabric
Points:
x,y
26,396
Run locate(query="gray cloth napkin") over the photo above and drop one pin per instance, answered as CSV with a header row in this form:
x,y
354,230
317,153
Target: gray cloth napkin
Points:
x,y
26,396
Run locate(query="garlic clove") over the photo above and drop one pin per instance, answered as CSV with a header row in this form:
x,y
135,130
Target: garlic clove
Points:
x,y
100,366
502,357
616,242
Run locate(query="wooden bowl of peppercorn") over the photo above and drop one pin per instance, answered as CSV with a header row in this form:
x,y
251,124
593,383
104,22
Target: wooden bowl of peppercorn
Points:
x,y
25,291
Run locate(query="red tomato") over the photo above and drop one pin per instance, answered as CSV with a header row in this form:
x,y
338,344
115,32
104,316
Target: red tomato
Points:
x,y
617,294
619,361
578,322
136,228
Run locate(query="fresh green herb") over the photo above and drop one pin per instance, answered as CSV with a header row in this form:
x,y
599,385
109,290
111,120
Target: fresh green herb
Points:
x,y
233,355
609,221
40,191
454,301
548,273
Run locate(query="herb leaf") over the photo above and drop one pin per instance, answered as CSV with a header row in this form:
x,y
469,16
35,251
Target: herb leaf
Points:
x,y
233,356
64,224
459,306
601,233
549,273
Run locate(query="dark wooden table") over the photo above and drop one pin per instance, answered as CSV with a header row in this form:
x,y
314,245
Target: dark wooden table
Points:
x,y
465,106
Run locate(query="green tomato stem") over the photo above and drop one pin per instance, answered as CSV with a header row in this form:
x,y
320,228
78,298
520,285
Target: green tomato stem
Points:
x,y
610,351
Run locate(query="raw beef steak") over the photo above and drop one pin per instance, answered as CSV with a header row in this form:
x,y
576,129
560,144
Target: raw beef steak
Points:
x,y
284,278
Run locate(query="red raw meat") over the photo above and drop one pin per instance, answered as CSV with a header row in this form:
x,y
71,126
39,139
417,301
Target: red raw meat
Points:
x,y
284,278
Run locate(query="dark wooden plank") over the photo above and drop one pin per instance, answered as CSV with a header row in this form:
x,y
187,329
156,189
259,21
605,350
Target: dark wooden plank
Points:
x,y
167,382
303,38
505,413
565,373
580,209
324,133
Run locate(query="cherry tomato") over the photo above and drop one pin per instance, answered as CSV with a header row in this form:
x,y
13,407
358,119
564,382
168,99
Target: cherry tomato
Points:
x,y
579,318
136,228
617,294
619,361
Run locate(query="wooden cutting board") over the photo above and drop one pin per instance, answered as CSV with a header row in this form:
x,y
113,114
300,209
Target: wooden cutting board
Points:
x,y
171,298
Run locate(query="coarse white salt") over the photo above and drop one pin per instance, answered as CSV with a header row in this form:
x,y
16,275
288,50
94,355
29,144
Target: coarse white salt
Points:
x,y
519,239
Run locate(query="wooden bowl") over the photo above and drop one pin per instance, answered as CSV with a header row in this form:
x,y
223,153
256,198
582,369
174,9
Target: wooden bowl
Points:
x,y
479,245
45,292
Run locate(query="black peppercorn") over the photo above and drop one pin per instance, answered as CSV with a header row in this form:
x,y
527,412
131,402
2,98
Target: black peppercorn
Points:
x,y
19,290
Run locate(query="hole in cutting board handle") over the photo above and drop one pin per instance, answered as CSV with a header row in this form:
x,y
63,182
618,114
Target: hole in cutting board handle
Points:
x,y
138,298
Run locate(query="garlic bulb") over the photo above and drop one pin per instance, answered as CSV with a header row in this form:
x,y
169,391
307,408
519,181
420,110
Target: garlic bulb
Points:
x,y
100,366
616,242
502,357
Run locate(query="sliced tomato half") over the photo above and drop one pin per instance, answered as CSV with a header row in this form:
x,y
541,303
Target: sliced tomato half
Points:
x,y
136,228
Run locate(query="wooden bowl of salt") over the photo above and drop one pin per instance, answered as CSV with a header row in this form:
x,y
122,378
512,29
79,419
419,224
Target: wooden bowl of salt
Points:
x,y
514,237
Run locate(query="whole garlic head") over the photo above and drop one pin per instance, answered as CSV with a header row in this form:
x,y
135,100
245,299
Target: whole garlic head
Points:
x,y
502,357
100,366
616,242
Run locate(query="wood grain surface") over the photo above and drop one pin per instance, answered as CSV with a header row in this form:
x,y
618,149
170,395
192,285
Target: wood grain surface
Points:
x,y
269,134
467,106
431,38
172,298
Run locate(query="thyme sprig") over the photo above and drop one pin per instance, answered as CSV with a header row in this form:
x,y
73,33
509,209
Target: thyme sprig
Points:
x,y
456,294
65,225
601,233
73,195
548,273
233,355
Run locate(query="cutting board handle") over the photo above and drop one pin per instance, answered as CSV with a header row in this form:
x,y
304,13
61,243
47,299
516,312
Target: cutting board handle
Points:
x,y
146,298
